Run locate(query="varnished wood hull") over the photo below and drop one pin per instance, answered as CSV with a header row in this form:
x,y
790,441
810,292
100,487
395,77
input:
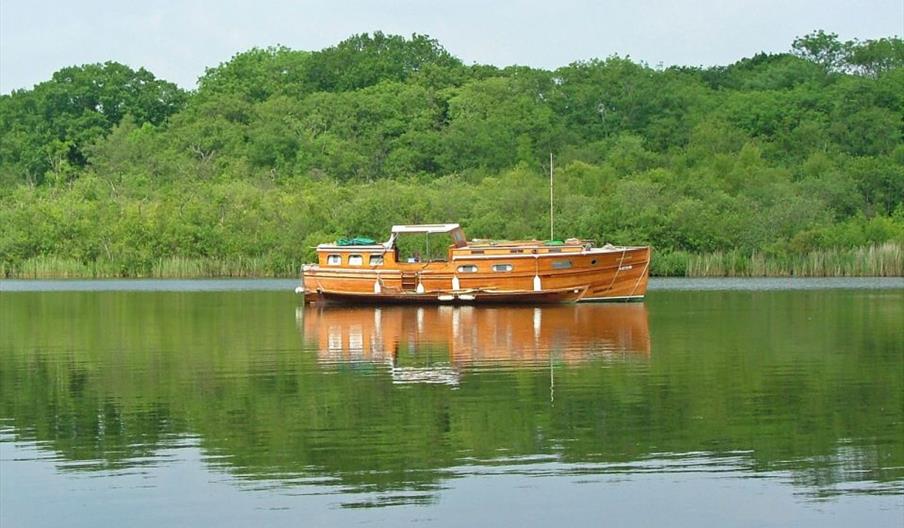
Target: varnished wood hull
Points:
x,y
612,274
449,297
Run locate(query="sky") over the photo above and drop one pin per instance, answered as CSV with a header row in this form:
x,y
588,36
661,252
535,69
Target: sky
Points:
x,y
177,40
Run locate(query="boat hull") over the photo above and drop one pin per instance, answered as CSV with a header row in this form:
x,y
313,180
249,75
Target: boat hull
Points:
x,y
449,297
614,274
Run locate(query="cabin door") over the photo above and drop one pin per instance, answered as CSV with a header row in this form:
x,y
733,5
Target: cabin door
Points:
x,y
409,281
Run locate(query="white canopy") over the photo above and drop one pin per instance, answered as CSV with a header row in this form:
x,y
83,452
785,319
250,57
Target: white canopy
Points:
x,y
457,234
425,228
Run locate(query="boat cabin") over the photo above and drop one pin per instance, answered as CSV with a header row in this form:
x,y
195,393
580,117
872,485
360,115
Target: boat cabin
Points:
x,y
365,253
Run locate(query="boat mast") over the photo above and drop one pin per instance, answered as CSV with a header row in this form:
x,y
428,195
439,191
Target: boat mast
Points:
x,y
551,235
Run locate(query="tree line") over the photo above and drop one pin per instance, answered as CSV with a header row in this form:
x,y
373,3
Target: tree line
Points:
x,y
278,150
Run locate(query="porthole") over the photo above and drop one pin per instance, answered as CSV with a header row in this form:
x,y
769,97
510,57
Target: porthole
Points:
x,y
467,268
502,267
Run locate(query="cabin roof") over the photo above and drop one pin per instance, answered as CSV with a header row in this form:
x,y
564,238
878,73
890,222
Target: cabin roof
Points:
x,y
351,249
425,228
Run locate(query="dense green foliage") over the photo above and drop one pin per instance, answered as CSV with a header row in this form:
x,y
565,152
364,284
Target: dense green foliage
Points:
x,y
278,150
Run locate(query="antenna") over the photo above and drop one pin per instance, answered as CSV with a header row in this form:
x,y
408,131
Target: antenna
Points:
x,y
551,231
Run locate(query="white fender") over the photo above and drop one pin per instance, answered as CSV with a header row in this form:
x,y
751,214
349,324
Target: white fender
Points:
x,y
537,285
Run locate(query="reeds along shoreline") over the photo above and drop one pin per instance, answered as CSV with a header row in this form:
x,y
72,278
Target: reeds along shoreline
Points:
x,y
51,267
884,260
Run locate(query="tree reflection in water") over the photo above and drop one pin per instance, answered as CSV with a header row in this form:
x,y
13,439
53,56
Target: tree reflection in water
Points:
x,y
395,398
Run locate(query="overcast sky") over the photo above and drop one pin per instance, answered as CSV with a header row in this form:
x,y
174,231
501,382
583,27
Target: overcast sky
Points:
x,y
176,40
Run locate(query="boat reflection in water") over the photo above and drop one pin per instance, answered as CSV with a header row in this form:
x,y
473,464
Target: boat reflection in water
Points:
x,y
434,344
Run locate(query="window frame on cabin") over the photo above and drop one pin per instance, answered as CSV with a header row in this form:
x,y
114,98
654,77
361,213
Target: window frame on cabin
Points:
x,y
503,268
467,268
375,260
334,260
562,264
356,260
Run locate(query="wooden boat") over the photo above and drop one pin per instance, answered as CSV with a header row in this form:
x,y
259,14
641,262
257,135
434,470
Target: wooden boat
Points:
x,y
474,271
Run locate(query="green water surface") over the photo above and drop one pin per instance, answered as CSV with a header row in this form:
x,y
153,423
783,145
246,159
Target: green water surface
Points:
x,y
739,407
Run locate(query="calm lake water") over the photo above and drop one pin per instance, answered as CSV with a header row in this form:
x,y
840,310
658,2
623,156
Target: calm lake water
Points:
x,y
713,403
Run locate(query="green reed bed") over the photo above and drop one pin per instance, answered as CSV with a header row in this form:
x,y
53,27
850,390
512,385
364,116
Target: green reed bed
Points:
x,y
885,260
51,267
192,268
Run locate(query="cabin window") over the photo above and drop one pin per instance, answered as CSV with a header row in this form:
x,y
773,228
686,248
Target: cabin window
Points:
x,y
376,260
334,260
355,260
502,267
516,251
467,268
477,252
554,250
561,264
